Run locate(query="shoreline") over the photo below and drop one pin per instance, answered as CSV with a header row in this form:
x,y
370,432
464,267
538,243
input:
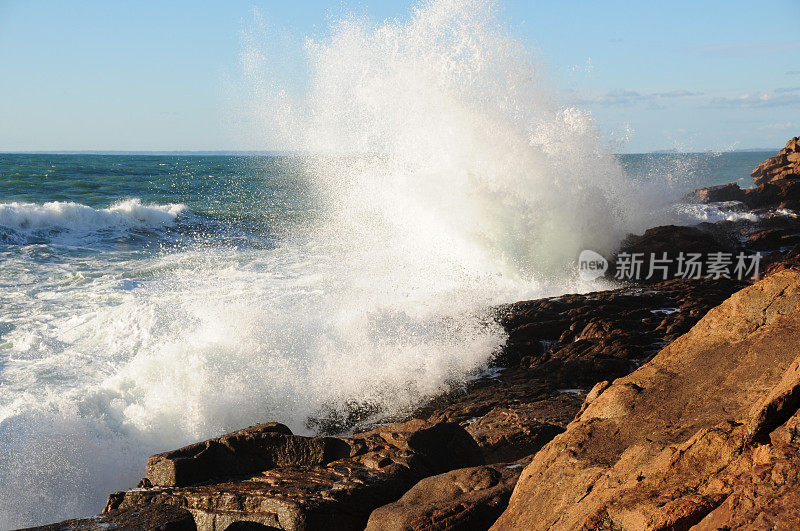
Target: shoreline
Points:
x,y
579,372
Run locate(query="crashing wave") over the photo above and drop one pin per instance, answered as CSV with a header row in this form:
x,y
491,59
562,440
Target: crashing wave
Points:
x,y
63,215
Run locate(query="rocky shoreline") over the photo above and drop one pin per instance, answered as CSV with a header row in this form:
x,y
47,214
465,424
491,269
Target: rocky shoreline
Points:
x,y
664,404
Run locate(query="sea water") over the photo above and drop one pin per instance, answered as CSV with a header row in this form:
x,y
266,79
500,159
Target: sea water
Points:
x,y
147,302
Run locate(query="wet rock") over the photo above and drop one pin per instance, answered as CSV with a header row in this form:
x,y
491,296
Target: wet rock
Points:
x,y
305,482
765,239
716,194
667,445
522,406
240,453
468,498
150,518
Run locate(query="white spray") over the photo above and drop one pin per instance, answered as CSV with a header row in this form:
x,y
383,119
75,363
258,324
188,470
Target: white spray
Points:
x,y
450,182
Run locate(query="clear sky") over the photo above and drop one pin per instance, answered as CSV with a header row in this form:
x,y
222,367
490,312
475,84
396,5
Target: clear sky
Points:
x,y
155,75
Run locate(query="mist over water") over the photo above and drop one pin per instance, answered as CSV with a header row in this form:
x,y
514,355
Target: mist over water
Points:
x,y
444,179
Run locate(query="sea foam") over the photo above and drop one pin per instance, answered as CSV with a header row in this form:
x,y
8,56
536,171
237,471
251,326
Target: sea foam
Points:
x,y
58,215
449,180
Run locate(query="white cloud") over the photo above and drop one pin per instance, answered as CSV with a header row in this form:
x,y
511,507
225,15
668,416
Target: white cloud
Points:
x,y
776,127
776,98
629,97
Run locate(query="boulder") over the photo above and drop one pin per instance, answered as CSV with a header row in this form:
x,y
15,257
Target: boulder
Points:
x,y
243,452
264,476
468,498
716,194
680,437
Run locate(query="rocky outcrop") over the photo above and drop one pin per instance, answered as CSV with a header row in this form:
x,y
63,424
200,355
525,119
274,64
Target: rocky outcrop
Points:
x,y
150,518
784,166
686,436
559,348
240,453
716,194
766,497
468,498
264,475
776,180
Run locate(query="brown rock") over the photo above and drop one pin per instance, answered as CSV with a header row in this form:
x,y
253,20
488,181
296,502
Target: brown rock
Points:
x,y
765,239
777,180
716,194
665,446
768,497
777,406
306,483
240,453
468,498
510,433
150,518
780,166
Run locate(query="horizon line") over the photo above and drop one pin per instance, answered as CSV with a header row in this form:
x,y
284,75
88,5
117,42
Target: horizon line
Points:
x,y
268,152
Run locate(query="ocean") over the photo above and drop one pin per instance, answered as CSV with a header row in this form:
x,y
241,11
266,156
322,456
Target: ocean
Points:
x,y
147,302
151,301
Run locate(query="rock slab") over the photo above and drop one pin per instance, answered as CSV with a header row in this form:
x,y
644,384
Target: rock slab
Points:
x,y
265,476
682,438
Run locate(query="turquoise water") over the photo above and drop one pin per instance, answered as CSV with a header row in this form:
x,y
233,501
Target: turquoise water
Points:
x,y
222,193
150,301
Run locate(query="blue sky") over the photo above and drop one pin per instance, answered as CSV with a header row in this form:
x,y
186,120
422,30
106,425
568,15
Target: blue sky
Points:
x,y
141,75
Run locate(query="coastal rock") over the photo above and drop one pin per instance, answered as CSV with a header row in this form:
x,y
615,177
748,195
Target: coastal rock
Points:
x,y
305,482
777,179
767,497
240,453
150,518
510,433
783,166
716,194
777,262
669,241
667,445
468,498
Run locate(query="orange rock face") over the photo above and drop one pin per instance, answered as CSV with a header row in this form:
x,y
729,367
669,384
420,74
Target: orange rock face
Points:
x,y
777,179
784,165
702,435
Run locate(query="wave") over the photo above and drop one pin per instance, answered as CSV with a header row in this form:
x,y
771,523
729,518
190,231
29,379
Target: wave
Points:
x,y
478,189
65,216
694,213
